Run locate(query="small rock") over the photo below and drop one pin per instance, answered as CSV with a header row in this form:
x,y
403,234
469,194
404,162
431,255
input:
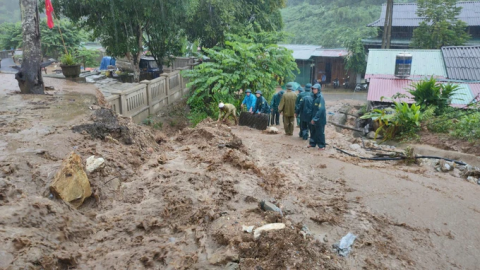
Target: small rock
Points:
x,y
472,179
232,266
268,206
94,164
446,166
268,227
271,130
355,146
371,135
247,229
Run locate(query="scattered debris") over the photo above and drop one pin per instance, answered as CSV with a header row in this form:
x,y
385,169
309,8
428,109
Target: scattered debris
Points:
x,y
271,130
223,255
355,146
94,164
268,206
344,247
268,227
472,179
445,166
247,229
71,183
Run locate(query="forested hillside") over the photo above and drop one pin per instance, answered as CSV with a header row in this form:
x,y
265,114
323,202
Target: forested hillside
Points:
x,y
330,22
9,11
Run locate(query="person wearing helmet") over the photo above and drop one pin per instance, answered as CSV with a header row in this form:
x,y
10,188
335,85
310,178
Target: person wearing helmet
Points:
x,y
249,101
287,107
261,105
227,110
275,119
319,120
304,110
299,92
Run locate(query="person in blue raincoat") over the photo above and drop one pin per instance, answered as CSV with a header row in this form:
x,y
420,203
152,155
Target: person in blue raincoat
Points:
x,y
275,118
299,92
261,105
319,120
249,101
304,110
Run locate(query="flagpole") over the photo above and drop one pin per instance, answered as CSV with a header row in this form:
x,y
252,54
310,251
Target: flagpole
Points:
x,y
59,30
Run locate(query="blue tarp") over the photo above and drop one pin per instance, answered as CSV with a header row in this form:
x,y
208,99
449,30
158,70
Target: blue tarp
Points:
x,y
107,61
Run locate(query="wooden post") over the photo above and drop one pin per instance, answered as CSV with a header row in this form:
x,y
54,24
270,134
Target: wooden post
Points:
x,y
29,77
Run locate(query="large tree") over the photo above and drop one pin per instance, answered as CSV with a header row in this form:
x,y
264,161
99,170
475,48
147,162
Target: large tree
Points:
x,y
440,27
124,27
252,61
29,77
209,21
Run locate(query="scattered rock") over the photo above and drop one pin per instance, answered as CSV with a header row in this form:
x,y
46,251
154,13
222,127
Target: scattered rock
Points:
x,y
371,135
232,266
247,229
269,227
94,164
71,182
472,179
355,146
446,166
268,206
271,130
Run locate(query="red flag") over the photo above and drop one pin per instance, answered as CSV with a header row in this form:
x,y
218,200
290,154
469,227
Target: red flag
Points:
x,y
49,11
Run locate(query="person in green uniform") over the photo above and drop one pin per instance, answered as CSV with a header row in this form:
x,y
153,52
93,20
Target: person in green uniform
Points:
x,y
307,92
319,120
287,108
227,110
275,119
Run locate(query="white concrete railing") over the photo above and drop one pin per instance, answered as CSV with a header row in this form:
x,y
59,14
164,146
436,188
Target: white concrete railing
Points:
x,y
149,97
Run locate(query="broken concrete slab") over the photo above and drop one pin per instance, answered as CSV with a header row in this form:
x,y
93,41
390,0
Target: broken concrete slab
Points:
x,y
269,227
71,183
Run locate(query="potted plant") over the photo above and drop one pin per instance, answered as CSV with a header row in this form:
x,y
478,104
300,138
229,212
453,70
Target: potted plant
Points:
x,y
70,67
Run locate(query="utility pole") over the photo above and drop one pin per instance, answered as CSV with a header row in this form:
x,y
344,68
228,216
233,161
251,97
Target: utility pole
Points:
x,y
387,28
29,77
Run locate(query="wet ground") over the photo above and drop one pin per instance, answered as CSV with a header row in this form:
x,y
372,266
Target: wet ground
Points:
x,y
179,201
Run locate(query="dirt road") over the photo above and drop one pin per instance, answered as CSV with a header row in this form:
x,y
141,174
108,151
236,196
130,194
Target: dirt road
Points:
x,y
180,201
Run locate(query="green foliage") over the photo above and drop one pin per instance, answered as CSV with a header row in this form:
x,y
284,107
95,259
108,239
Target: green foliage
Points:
x,y
245,62
440,27
68,60
403,120
123,27
209,21
356,60
10,36
430,93
52,45
90,58
461,124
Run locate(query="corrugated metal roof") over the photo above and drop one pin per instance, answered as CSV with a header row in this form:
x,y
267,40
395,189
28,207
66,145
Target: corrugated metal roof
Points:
x,y
463,95
386,87
331,53
405,14
424,62
302,52
462,62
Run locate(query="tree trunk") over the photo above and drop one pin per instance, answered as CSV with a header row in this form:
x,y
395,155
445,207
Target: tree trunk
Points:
x,y
29,77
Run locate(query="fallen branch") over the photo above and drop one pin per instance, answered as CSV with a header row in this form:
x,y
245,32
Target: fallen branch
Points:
x,y
346,127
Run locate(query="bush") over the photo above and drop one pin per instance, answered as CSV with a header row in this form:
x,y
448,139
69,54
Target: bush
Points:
x,y
431,93
457,123
401,121
68,60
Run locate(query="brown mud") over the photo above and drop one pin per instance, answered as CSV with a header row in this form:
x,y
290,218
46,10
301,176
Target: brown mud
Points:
x,y
181,202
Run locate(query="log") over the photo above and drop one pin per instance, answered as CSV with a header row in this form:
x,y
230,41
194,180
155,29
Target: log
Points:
x,y
346,127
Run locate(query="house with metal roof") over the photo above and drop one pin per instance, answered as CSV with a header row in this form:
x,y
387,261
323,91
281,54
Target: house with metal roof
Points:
x,y
385,81
405,20
314,61
462,62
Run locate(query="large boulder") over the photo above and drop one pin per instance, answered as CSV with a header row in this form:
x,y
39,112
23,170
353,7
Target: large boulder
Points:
x,y
71,182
